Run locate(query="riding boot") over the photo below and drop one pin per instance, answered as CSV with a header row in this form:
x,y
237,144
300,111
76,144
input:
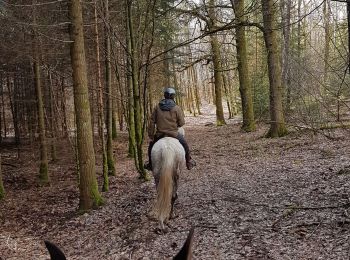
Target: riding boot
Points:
x,y
190,163
148,165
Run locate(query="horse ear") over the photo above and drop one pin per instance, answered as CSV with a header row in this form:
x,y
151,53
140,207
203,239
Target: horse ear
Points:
x,y
55,252
186,251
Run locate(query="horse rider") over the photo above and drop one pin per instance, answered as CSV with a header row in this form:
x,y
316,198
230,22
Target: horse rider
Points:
x,y
167,117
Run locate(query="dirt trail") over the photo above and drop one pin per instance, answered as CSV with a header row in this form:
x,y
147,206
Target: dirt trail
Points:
x,y
249,198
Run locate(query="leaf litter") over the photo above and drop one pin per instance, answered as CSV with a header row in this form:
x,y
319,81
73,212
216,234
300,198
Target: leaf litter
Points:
x,y
248,198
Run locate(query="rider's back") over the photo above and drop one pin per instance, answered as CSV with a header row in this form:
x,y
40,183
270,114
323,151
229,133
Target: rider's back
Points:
x,y
168,117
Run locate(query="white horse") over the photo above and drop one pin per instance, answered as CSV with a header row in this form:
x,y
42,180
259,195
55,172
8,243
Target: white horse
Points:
x,y
168,159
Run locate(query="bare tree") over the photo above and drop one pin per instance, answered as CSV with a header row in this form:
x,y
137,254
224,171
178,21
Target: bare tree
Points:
x,y
277,124
89,194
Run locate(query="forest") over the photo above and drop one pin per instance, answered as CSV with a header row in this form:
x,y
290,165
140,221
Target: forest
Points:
x,y
265,90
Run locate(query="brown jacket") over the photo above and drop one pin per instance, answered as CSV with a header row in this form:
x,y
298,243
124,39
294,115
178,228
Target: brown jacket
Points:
x,y
167,121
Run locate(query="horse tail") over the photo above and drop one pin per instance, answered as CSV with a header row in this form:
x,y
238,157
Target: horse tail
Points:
x,y
165,186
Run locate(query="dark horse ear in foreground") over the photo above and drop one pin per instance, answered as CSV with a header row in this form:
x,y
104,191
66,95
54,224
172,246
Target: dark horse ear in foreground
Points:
x,y
55,252
184,254
186,251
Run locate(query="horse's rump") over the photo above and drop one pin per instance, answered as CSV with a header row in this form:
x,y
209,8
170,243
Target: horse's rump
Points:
x,y
168,158
167,153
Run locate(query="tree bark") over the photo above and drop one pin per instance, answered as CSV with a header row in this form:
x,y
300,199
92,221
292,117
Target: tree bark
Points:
x,y
63,109
216,56
2,189
286,80
277,124
3,111
197,96
220,119
43,171
1,92
53,127
136,94
326,14
245,87
12,96
110,158
101,120
89,194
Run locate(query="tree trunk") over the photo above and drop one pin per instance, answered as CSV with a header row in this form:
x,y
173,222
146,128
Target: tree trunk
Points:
x,y
114,113
89,194
232,93
286,80
52,120
101,120
43,172
109,113
348,16
196,90
136,95
63,109
11,96
299,42
131,117
326,14
215,50
277,125
2,189
3,111
245,87
1,92
227,94
220,119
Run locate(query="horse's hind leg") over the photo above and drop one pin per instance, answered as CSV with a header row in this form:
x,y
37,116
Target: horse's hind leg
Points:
x,y
172,214
162,229
174,195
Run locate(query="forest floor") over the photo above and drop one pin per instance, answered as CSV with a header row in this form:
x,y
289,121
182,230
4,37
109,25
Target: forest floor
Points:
x,y
248,198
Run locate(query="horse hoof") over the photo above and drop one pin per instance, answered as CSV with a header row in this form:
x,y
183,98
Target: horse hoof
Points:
x,y
160,231
174,216
151,217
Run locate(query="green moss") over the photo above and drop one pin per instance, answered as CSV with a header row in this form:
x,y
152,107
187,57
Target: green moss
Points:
x,y
220,123
98,202
105,186
249,127
96,197
111,167
131,151
335,125
280,132
2,190
144,176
